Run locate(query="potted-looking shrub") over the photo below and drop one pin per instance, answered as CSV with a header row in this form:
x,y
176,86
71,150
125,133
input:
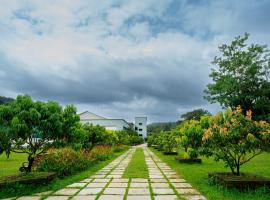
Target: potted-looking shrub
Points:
x,y
191,140
169,143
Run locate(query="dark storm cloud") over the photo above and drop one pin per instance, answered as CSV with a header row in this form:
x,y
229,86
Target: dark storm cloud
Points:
x,y
137,58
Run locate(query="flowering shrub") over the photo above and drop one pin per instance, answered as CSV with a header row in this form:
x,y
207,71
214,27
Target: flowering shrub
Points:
x,y
168,141
235,138
100,152
191,138
63,161
120,147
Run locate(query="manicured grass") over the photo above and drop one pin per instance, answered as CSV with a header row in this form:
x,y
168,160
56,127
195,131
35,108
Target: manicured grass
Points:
x,y
196,174
137,167
12,164
22,190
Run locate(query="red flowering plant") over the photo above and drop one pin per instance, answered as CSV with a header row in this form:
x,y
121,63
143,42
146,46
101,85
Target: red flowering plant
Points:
x,y
235,138
101,152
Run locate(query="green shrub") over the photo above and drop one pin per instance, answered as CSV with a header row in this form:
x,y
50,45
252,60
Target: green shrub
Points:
x,y
190,139
63,161
120,148
101,152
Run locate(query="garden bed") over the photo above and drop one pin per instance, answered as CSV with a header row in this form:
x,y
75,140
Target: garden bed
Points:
x,y
242,182
188,160
170,153
31,178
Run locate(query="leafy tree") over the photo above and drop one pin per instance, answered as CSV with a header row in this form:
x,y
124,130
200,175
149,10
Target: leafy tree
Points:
x,y
33,126
242,77
169,141
70,124
6,115
235,138
195,114
94,135
191,133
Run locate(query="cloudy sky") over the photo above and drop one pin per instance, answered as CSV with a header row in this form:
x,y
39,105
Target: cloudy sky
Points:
x,y
121,58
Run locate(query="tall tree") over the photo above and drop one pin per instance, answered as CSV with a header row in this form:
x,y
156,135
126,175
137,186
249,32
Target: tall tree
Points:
x,y
32,126
241,77
195,114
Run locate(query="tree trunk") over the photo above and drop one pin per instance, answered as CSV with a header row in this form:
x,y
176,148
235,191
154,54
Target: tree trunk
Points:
x,y
238,170
30,163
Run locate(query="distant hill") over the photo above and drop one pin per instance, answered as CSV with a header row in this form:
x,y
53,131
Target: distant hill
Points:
x,y
4,100
160,126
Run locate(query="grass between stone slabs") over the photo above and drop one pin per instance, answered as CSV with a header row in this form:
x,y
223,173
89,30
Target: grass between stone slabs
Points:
x,y
137,167
196,175
22,190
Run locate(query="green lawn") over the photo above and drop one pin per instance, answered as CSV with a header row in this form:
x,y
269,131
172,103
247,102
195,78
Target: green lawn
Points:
x,y
53,186
12,164
137,167
196,174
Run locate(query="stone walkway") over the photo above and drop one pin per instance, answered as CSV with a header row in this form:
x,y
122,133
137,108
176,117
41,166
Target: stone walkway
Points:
x,y
108,184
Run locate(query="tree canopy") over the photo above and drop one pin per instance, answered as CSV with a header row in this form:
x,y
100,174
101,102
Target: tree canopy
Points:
x,y
195,114
241,77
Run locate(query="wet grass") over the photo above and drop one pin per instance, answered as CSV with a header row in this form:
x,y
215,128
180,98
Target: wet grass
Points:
x,y
197,174
137,167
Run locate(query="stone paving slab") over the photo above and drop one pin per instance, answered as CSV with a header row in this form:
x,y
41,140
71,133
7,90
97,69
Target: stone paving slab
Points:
x,y
138,191
120,180
139,180
114,191
66,191
111,197
89,197
29,198
166,197
118,185
139,185
103,180
163,191
57,198
160,185
139,197
75,185
90,191
96,185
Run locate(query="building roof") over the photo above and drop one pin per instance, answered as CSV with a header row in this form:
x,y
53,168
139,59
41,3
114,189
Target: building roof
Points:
x,y
90,116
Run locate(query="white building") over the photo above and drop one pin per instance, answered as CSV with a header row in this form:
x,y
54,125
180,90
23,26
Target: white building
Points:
x,y
141,126
109,124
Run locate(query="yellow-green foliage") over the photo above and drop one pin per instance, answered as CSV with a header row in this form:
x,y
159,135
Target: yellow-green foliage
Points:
x,y
236,138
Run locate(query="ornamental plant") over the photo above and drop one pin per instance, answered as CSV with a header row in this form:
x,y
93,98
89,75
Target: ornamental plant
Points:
x,y
191,138
169,141
63,161
235,138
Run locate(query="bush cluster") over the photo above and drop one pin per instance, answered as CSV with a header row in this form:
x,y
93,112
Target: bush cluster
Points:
x,y
66,161
63,161
230,136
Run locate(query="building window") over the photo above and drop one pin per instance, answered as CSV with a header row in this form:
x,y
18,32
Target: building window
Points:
x,y
136,128
140,134
140,123
140,129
